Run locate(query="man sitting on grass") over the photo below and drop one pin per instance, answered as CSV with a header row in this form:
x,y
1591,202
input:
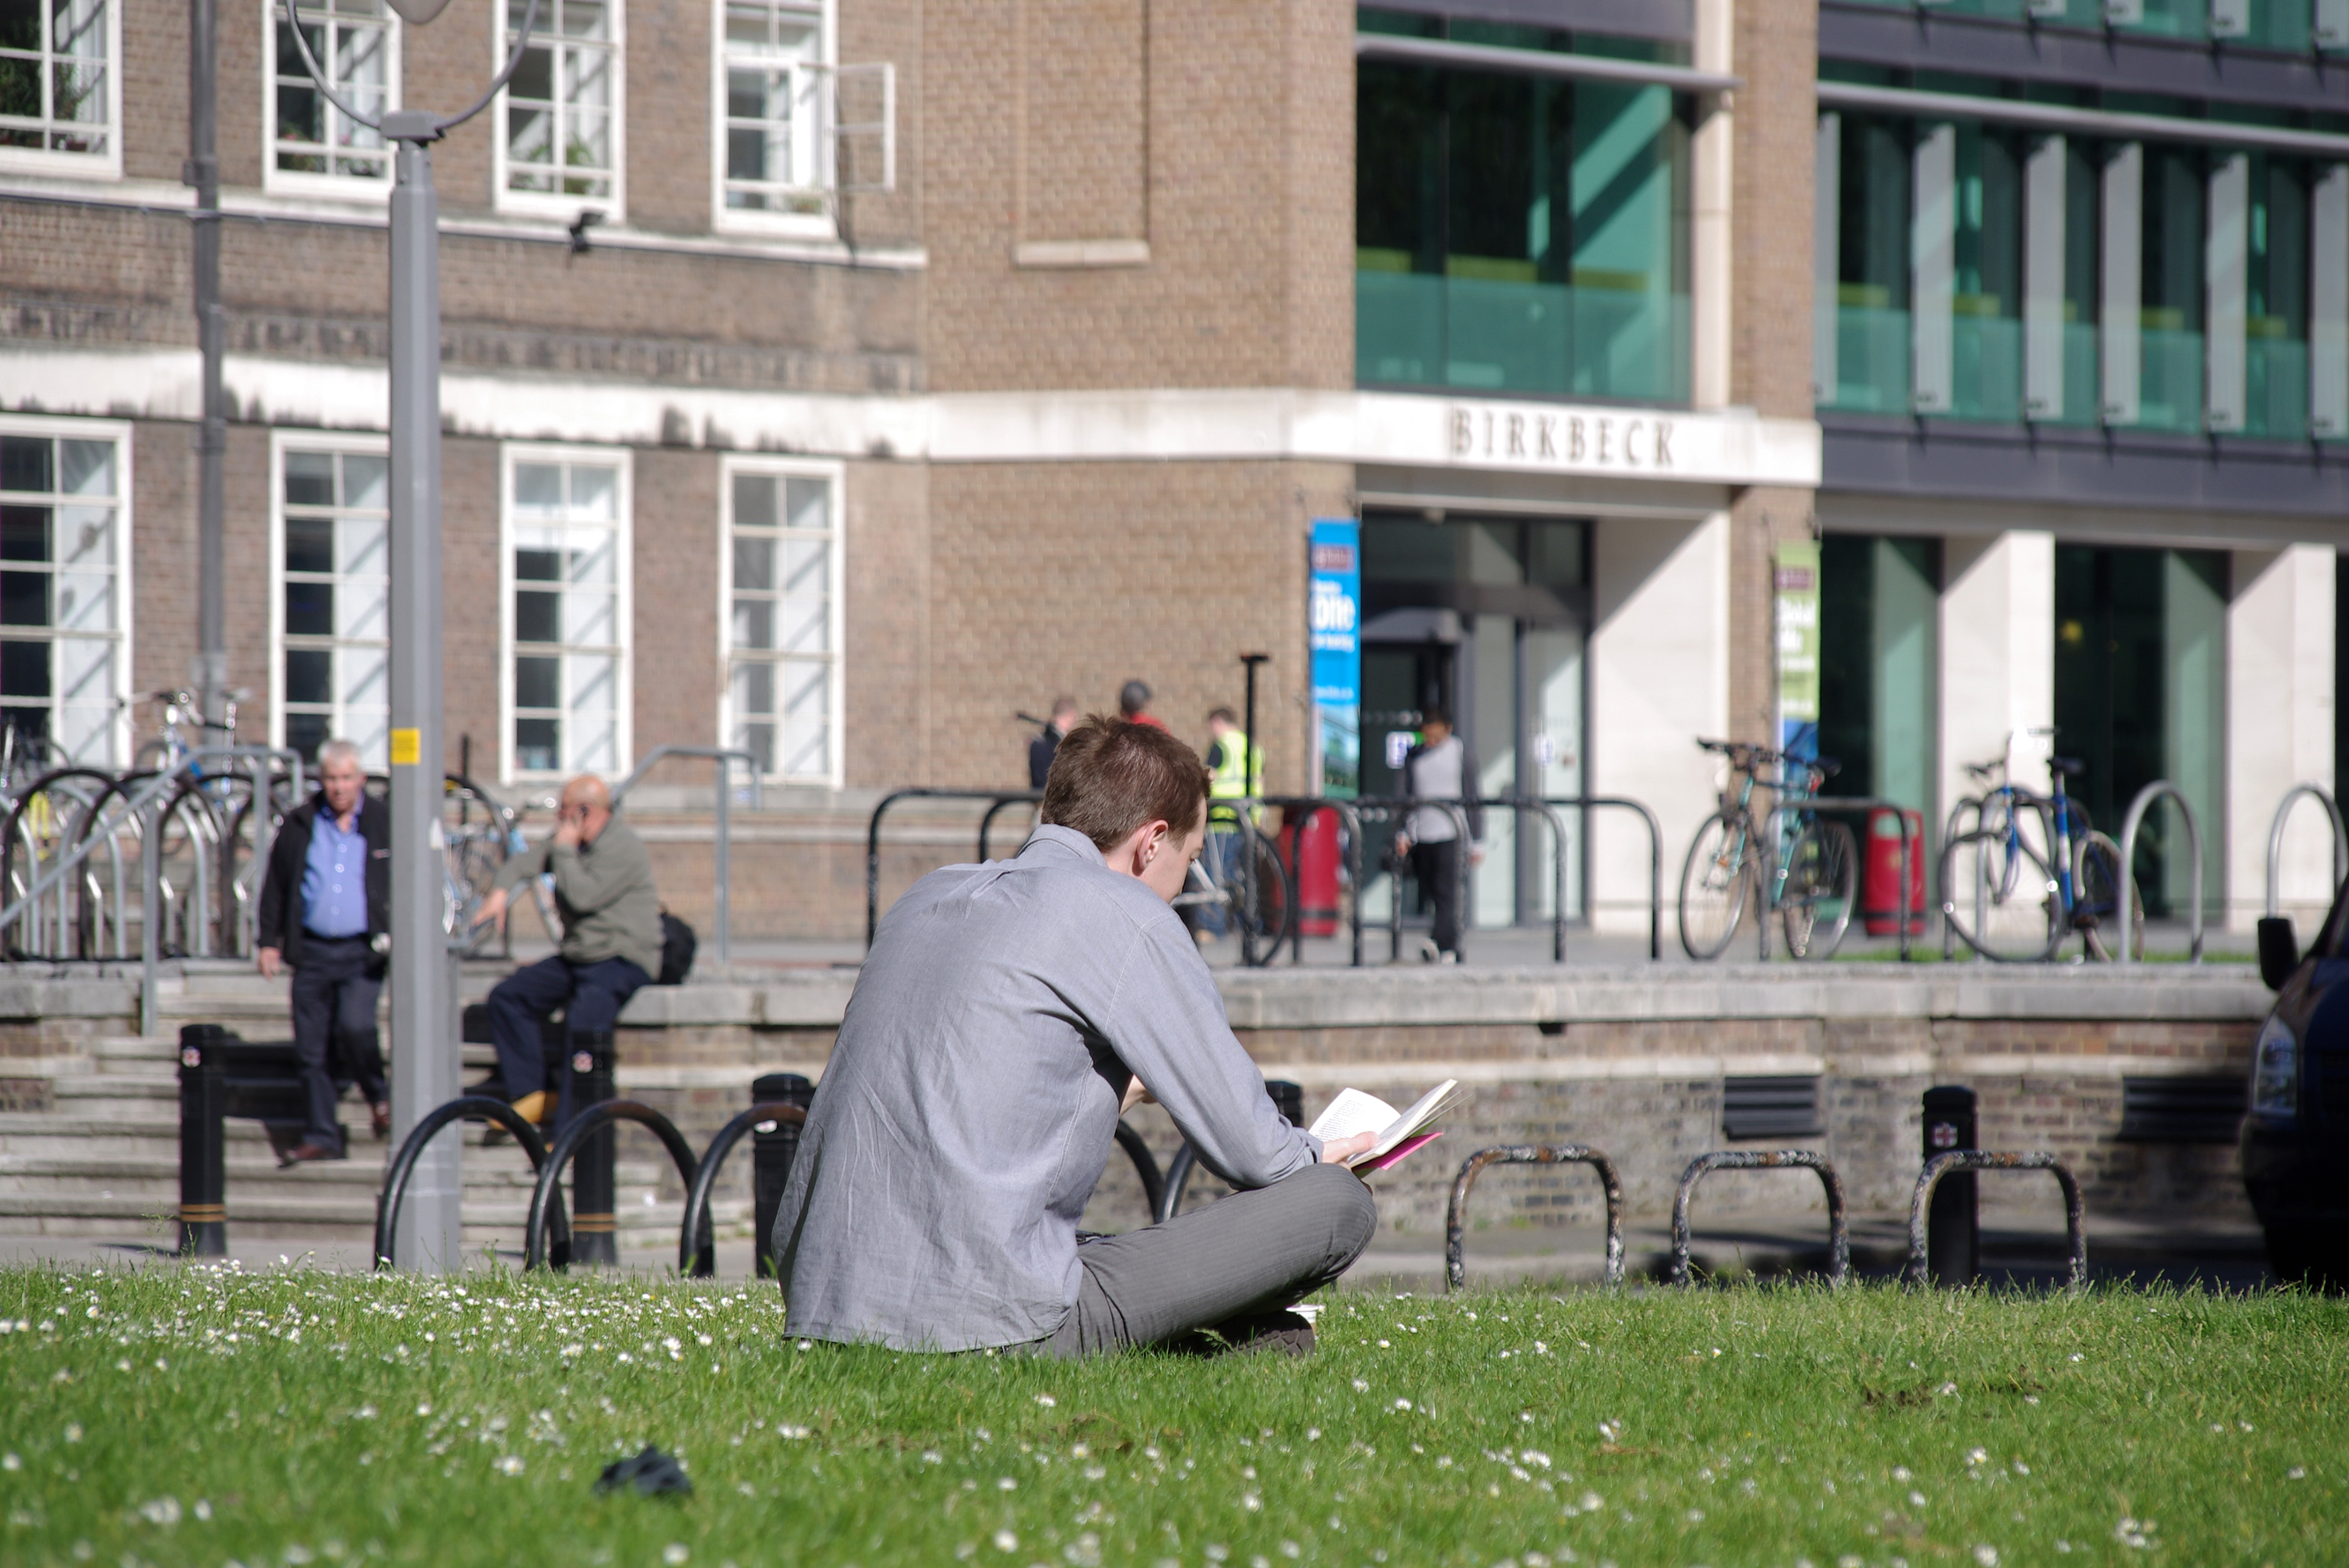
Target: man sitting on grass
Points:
x,y
1007,1014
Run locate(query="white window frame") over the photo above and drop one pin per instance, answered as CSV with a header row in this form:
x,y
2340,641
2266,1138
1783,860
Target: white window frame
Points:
x,y
105,165
835,477
554,204
295,182
283,442
125,596
819,153
511,456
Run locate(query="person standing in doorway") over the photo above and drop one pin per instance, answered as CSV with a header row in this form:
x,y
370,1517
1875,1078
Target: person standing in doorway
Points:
x,y
1440,768
326,910
1133,704
1048,741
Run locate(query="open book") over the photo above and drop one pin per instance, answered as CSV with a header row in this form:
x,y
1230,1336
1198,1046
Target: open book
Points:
x,y
1399,1132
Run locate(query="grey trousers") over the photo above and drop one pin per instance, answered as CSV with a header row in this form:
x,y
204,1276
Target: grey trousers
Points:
x,y
1252,1251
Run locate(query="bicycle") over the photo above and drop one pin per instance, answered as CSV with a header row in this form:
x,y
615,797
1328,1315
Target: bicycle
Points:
x,y
1249,883
2014,901
1814,866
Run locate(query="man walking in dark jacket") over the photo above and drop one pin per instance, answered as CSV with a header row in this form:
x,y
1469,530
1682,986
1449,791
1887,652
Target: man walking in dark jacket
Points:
x,y
326,909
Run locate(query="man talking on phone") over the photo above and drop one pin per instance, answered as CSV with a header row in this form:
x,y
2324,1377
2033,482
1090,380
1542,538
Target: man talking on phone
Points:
x,y
1007,1014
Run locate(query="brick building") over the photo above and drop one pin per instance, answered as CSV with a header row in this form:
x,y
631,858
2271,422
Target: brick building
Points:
x,y
838,377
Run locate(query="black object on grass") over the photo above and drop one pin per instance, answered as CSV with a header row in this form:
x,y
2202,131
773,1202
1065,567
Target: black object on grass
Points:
x,y
652,1472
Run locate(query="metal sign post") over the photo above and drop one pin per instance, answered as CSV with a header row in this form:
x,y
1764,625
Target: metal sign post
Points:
x,y
426,1055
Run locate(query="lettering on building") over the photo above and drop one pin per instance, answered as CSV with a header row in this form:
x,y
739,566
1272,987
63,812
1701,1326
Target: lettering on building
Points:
x,y
1621,442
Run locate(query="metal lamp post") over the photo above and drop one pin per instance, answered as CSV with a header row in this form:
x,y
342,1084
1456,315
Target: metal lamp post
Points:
x,y
425,1064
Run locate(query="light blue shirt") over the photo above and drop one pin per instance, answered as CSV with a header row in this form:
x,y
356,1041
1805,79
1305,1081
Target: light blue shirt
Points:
x,y
971,1099
333,879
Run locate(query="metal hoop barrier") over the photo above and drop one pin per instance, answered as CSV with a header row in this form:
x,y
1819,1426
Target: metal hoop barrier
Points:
x,y
2146,797
1146,1166
995,799
411,1150
1838,1233
2291,797
1455,1218
566,1144
1655,857
2075,1226
697,1245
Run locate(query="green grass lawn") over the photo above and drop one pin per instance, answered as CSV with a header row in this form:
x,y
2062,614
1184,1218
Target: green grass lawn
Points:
x,y
195,1416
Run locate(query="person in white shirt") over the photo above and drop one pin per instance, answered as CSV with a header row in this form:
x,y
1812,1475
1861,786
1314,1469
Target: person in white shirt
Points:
x,y
1440,769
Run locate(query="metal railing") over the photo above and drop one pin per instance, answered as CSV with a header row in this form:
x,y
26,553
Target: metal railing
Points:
x,y
2075,1221
996,799
1839,1232
1455,1214
2159,788
723,849
2293,797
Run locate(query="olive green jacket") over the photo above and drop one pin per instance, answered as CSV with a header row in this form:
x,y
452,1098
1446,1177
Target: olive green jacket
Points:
x,y
604,890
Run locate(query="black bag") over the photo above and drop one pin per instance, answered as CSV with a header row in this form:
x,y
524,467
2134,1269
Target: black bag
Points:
x,y
676,949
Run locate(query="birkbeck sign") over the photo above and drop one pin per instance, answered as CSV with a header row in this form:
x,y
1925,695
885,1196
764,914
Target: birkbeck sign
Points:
x,y
1565,440
1732,446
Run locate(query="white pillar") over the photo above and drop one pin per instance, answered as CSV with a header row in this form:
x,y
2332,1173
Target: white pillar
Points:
x,y
2280,630
1659,680
1997,658
1709,173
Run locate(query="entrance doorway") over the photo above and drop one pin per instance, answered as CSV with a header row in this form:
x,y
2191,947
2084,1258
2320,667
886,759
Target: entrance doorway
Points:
x,y
1487,617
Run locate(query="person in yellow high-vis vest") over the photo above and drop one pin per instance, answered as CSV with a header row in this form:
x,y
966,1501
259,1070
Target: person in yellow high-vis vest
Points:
x,y
1232,763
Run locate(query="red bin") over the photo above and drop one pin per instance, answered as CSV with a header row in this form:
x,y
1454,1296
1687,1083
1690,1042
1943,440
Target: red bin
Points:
x,y
1879,892
1315,855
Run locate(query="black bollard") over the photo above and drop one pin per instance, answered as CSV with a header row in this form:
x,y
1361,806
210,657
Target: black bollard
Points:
x,y
1289,1098
773,1146
595,1237
1953,1224
203,1142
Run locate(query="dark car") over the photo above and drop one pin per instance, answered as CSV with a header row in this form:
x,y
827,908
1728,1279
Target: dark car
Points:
x,y
2295,1140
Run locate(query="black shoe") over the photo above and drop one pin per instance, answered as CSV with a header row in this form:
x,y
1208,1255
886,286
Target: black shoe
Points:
x,y
1284,1333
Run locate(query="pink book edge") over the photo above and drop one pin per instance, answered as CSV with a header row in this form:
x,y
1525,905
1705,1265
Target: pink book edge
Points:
x,y
1396,1156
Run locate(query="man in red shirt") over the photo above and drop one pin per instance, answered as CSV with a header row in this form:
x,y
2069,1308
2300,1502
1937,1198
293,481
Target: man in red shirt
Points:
x,y
1133,702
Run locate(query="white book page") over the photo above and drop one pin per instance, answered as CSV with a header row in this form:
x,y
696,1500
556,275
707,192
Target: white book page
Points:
x,y
1423,1111
1350,1113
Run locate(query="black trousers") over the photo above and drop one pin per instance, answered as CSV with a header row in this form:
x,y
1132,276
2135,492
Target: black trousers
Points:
x,y
335,987
1437,866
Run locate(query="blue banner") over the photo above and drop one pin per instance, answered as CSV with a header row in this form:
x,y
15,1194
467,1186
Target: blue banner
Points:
x,y
1334,624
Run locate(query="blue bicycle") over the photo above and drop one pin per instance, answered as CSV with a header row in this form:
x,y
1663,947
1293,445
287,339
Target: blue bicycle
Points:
x,y
2032,870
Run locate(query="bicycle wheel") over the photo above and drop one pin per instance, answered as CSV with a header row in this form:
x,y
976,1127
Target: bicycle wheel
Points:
x,y
1714,880
1257,895
1998,896
2096,901
1822,884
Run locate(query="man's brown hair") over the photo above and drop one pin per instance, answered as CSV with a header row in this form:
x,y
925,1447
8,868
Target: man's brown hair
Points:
x,y
1110,775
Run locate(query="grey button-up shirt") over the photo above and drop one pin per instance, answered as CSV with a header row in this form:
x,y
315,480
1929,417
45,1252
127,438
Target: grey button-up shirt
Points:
x,y
971,1099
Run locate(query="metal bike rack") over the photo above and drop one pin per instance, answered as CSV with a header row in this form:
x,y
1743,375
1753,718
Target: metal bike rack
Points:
x,y
995,799
2291,797
1862,805
1838,1233
1655,857
987,821
2075,1221
722,855
697,1245
1146,1166
587,1122
2157,789
1456,1217
411,1150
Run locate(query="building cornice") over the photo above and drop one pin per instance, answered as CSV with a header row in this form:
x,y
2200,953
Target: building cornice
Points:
x,y
1434,431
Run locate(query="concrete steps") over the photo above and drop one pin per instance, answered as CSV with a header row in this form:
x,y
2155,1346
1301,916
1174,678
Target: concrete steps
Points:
x,y
103,1162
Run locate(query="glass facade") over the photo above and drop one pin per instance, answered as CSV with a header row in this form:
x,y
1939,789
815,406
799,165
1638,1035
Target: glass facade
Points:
x,y
1879,621
1971,269
2290,26
1520,234
2140,695
1489,618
